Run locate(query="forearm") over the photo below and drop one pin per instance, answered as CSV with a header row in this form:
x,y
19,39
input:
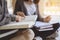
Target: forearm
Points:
x,y
17,7
40,19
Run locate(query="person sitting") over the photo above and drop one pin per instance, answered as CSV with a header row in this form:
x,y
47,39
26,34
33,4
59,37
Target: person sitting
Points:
x,y
6,18
29,7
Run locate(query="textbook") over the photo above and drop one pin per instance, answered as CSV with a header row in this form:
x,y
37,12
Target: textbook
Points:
x,y
27,22
44,26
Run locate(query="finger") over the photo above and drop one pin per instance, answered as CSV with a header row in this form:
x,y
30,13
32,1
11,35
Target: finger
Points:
x,y
23,18
48,16
18,18
22,14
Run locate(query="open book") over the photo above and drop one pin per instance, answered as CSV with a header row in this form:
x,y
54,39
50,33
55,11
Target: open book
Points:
x,y
28,22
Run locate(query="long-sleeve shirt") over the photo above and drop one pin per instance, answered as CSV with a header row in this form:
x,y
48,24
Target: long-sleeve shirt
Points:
x,y
5,18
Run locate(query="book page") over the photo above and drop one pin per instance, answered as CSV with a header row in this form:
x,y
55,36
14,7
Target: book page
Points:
x,y
28,22
30,18
43,26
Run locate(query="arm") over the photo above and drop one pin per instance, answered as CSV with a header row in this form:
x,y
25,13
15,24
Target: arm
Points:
x,y
16,18
17,7
37,13
47,19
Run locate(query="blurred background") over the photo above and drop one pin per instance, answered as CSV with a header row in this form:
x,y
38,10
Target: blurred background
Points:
x,y
46,7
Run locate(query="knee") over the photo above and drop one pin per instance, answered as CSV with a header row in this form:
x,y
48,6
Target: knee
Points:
x,y
29,34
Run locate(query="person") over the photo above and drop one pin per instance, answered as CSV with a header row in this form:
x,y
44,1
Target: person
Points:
x,y
6,18
26,34
30,7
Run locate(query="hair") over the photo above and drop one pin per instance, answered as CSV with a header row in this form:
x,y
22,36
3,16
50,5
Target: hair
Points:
x,y
26,0
35,1
1,2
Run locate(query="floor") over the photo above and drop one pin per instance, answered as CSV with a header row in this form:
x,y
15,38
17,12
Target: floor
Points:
x,y
57,38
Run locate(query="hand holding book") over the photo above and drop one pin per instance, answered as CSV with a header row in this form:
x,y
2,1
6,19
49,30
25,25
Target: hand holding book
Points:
x,y
19,18
47,19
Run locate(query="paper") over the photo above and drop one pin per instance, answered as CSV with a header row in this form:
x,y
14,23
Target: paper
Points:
x,y
44,26
28,22
30,18
46,29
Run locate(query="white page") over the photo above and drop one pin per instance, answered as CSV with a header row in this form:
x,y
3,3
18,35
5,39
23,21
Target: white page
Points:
x,y
30,18
28,22
42,24
46,29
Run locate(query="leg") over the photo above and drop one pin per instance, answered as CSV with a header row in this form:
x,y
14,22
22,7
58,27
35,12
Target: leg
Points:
x,y
24,35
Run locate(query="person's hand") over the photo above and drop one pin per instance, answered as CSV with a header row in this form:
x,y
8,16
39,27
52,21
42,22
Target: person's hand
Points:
x,y
21,14
47,19
19,18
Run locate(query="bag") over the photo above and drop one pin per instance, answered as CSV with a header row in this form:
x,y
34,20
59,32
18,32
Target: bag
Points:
x,y
45,33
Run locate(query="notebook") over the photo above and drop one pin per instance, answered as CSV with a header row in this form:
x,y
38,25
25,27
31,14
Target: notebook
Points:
x,y
44,26
28,22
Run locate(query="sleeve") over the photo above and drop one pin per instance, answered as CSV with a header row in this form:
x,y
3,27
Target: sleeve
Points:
x,y
17,6
7,19
13,17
